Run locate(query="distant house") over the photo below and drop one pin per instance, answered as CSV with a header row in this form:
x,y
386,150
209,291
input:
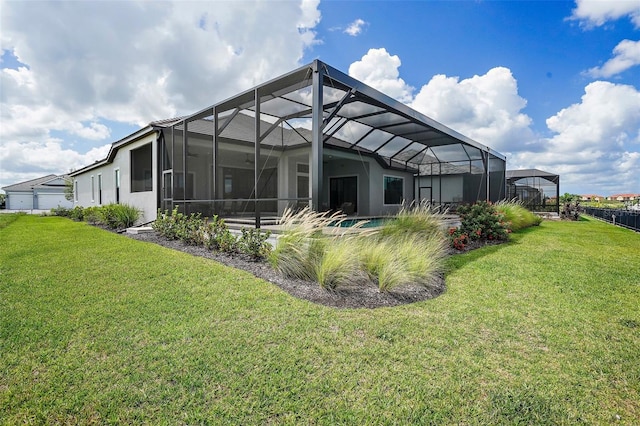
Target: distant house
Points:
x,y
312,137
623,197
43,193
592,197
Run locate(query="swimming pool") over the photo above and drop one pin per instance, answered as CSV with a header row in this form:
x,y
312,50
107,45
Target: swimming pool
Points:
x,y
372,222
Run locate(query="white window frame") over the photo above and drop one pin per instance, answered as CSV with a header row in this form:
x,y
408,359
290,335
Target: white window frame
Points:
x,y
75,190
93,189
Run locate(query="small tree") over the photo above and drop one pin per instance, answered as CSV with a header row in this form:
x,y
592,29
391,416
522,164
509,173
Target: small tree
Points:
x,y
569,198
68,189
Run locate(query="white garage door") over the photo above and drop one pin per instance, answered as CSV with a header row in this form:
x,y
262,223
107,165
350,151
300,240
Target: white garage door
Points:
x,y
50,201
18,201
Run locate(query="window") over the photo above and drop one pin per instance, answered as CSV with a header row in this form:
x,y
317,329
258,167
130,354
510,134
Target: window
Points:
x,y
302,181
393,190
141,169
99,188
75,190
93,189
116,176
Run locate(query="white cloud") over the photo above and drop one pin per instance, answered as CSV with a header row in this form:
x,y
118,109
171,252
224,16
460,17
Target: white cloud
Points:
x,y
626,55
28,160
134,62
608,115
486,108
595,13
379,70
355,28
595,142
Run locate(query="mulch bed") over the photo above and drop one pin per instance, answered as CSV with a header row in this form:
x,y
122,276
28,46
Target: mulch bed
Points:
x,y
361,294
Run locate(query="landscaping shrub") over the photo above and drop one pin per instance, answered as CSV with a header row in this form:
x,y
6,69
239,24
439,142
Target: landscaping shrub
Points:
x,y
218,237
92,215
337,264
408,254
190,229
414,218
61,211
481,221
412,259
570,211
517,215
459,239
165,223
254,243
118,216
302,244
195,230
113,216
77,213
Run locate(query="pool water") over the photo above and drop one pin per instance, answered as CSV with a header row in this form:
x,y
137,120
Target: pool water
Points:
x,y
371,223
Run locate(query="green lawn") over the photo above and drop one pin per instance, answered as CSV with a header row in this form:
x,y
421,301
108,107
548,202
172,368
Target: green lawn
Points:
x,y
99,328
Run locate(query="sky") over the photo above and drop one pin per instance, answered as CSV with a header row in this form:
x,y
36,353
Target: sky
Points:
x,y
553,85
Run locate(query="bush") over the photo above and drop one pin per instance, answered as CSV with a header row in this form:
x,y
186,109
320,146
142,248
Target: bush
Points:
x,y
408,255
218,237
77,213
61,211
337,264
190,229
412,259
92,215
413,219
194,230
517,215
302,245
118,216
254,243
481,221
113,216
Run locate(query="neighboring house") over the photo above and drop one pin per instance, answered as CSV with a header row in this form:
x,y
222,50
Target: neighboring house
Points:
x,y
623,197
536,189
43,193
592,197
314,136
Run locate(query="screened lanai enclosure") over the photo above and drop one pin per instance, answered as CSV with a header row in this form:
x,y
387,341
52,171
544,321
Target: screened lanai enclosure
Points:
x,y
536,189
317,137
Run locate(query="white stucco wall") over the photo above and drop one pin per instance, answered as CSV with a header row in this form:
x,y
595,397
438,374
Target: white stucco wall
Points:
x,y
145,201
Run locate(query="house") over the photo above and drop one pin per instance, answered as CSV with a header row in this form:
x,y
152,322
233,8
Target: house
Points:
x,y
623,197
43,193
592,197
536,189
314,136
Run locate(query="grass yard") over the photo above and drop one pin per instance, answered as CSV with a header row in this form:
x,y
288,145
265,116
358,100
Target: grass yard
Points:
x,y
99,328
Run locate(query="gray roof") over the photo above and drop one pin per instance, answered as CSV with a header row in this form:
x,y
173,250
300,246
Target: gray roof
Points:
x,y
529,173
40,182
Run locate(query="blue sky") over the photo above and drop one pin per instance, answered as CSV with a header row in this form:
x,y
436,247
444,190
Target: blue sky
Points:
x,y
550,84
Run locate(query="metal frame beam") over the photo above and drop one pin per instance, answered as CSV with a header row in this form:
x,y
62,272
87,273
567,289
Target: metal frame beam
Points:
x,y
316,130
